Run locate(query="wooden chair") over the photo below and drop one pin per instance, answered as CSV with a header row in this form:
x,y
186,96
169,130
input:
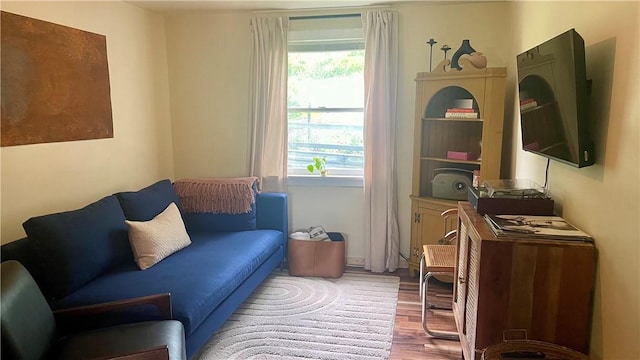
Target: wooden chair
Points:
x,y
438,260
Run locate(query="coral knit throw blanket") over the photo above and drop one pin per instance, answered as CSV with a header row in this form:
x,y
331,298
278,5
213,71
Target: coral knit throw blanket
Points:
x,y
216,195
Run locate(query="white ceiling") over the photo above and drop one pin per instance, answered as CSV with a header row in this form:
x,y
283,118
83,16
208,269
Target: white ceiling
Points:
x,y
247,5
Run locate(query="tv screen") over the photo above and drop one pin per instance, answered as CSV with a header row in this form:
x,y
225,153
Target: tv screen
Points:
x,y
554,93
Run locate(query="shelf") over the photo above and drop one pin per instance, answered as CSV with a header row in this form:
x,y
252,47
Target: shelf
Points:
x,y
452,119
454,75
444,202
471,162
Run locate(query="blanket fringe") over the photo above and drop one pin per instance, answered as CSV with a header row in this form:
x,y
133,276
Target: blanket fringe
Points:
x,y
216,195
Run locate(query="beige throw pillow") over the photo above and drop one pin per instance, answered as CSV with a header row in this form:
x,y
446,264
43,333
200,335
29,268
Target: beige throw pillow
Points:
x,y
154,240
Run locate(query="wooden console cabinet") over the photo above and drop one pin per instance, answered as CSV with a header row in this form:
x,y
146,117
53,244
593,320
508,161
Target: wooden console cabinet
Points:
x,y
542,286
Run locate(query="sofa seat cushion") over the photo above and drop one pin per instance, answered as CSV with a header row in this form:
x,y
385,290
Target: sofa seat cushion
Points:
x,y
199,277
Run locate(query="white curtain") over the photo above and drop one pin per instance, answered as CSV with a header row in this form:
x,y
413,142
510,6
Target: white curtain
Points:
x,y
268,107
380,184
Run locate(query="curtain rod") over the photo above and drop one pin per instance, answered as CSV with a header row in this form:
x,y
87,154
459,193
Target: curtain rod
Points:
x,y
303,10
313,17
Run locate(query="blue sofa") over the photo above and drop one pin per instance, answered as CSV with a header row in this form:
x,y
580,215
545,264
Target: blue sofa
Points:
x,y
83,256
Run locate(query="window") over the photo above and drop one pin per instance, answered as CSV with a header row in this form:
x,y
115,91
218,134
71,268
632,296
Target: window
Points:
x,y
326,95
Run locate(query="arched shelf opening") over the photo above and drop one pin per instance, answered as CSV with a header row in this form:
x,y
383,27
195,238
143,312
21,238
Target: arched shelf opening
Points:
x,y
448,97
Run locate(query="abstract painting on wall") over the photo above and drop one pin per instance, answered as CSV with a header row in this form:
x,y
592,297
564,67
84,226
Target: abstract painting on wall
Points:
x,y
55,83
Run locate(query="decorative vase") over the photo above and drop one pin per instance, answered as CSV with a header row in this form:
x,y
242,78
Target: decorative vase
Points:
x,y
465,48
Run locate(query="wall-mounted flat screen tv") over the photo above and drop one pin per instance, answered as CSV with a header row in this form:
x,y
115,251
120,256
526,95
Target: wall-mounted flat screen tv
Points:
x,y
554,100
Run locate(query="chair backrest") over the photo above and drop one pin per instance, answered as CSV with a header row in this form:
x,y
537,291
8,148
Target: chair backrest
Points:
x,y
27,323
450,226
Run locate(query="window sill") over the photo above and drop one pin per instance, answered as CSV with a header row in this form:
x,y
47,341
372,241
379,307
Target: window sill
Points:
x,y
329,181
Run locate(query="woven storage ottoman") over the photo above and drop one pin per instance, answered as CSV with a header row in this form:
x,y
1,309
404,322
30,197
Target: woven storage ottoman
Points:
x,y
318,258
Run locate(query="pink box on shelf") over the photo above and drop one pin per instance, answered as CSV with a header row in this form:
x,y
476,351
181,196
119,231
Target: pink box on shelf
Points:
x,y
459,155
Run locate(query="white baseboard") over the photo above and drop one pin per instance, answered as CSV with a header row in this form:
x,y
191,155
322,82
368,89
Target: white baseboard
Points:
x,y
359,262
355,261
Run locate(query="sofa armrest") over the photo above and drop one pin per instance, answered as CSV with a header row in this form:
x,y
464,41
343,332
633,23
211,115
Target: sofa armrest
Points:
x,y
20,250
159,353
17,250
73,319
161,301
272,212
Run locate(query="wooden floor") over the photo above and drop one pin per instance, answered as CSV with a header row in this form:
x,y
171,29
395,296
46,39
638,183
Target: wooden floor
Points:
x,y
409,338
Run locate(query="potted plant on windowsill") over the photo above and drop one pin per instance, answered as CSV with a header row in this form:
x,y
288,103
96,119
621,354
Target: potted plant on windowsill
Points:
x,y
320,164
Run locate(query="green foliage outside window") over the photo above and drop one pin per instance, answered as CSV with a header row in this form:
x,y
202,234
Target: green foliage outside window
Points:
x,y
333,64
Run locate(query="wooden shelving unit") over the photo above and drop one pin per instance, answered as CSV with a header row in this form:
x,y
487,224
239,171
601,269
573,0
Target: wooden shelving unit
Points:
x,y
435,135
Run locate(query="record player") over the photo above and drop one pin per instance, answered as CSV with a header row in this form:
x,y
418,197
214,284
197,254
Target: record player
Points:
x,y
510,197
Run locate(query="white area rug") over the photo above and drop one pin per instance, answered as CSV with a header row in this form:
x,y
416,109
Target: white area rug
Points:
x,y
290,317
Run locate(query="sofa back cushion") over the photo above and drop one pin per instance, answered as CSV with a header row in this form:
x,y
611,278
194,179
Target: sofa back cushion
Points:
x,y
206,222
77,246
146,203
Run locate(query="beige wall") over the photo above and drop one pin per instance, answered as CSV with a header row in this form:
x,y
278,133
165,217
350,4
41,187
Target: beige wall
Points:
x,y
209,101
44,178
208,56
603,199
